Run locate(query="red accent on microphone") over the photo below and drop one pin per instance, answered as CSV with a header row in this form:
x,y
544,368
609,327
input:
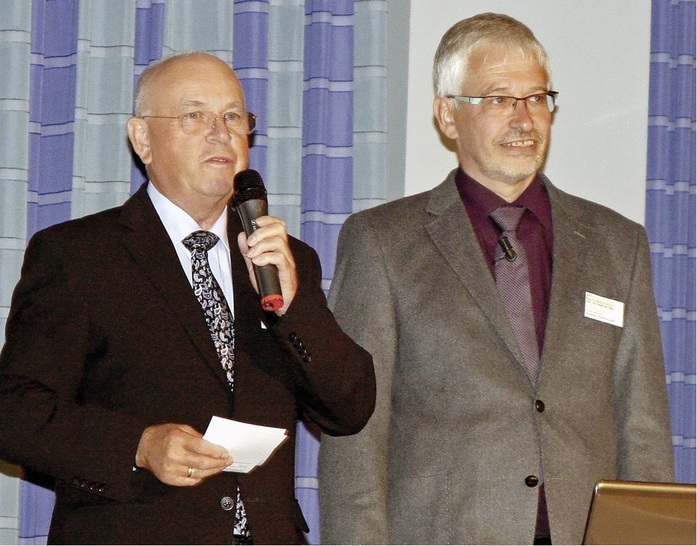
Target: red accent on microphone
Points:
x,y
272,302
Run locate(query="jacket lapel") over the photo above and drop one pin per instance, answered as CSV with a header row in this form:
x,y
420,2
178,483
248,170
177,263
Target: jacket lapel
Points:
x,y
147,242
572,240
452,234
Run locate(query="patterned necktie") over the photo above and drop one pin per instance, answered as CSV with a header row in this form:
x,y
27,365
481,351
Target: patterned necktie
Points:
x,y
212,300
513,282
220,324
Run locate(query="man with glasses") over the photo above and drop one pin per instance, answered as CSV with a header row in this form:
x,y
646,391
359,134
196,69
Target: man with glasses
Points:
x,y
513,329
131,328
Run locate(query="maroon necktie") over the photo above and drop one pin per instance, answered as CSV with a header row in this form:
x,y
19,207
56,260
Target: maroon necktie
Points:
x,y
513,282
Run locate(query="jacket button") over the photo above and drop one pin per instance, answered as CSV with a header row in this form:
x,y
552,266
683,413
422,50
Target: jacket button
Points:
x,y
539,405
532,481
227,504
292,337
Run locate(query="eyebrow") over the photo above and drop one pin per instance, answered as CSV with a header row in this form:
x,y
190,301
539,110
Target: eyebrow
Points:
x,y
504,91
198,103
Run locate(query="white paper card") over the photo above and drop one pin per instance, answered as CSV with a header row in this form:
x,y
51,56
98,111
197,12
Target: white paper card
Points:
x,y
249,445
604,310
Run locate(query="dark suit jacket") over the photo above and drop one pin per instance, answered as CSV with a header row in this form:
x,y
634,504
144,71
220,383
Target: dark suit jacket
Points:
x,y
460,438
105,337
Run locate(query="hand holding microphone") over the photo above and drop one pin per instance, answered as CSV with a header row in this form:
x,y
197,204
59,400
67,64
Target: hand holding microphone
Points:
x,y
251,203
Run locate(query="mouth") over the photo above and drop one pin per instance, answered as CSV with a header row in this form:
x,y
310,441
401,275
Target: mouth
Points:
x,y
519,143
218,160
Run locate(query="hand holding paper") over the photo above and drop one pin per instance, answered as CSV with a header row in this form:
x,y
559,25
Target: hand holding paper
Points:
x,y
249,445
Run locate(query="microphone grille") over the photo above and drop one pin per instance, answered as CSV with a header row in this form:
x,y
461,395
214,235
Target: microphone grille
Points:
x,y
248,179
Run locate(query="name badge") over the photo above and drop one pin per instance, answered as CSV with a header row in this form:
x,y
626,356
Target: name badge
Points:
x,y
604,310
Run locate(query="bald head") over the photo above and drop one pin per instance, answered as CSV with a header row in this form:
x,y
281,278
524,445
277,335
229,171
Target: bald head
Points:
x,y
160,73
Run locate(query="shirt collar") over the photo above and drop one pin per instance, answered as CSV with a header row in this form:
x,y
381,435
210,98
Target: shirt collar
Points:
x,y
485,201
178,223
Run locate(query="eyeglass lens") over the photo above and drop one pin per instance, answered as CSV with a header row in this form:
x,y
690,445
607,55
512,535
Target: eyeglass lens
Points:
x,y
199,122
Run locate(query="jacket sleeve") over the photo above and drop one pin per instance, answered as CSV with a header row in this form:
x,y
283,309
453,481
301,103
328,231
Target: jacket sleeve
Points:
x,y
640,396
353,472
49,344
334,376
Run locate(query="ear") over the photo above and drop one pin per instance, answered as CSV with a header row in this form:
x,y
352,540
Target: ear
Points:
x,y
139,135
444,112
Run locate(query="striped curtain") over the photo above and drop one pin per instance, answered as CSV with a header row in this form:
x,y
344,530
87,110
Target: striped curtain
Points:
x,y
670,210
312,70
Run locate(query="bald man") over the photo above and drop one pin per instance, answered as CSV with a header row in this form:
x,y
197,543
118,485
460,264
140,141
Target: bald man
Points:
x,y
110,373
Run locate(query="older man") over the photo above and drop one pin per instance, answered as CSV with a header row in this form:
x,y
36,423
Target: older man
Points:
x,y
112,370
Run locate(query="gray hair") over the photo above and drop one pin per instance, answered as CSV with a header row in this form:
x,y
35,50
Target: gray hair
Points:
x,y
451,60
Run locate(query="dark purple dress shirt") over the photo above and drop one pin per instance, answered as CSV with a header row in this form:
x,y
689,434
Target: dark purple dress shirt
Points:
x,y
535,232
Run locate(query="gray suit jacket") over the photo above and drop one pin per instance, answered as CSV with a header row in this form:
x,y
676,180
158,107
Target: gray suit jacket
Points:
x,y
457,430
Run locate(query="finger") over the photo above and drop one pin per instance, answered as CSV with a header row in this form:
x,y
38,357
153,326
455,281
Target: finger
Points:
x,y
208,449
207,466
269,251
269,242
268,227
206,455
192,474
197,473
203,469
242,243
271,221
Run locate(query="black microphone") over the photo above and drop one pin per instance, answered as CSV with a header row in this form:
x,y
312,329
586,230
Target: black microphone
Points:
x,y
251,203
508,250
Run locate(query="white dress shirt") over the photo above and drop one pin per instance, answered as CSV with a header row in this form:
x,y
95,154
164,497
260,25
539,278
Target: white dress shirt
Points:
x,y
179,224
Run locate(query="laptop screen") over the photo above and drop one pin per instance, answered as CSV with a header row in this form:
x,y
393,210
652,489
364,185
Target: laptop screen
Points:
x,y
624,512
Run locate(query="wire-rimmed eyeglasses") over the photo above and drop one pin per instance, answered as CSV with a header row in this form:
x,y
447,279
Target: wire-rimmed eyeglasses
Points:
x,y
199,122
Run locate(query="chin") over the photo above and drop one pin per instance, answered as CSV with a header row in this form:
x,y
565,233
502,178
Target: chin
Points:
x,y
217,191
515,175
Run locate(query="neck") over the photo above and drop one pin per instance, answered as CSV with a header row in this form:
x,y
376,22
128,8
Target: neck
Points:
x,y
207,221
508,190
511,193
205,214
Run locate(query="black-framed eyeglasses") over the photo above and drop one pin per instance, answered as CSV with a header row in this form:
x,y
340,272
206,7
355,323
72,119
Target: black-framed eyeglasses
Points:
x,y
504,105
199,121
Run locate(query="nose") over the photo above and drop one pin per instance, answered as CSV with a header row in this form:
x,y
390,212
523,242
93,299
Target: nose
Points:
x,y
219,130
516,101
520,116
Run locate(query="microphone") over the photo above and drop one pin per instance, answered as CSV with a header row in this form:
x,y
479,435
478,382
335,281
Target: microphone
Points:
x,y
251,203
508,251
